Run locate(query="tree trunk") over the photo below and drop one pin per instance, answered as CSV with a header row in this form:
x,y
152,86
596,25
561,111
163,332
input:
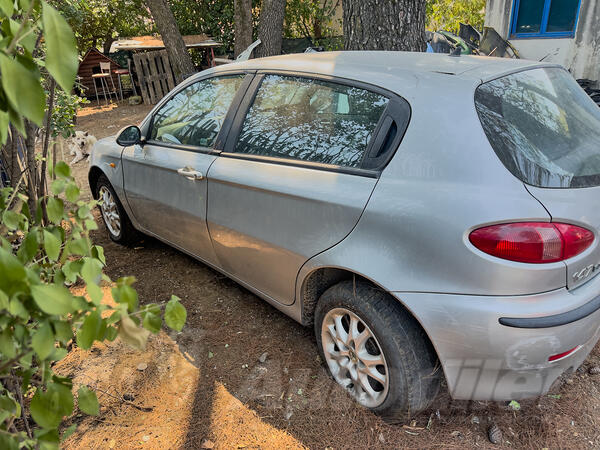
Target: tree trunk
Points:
x,y
33,181
108,40
270,28
384,25
243,25
180,59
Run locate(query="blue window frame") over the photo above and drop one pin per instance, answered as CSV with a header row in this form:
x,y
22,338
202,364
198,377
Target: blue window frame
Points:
x,y
544,18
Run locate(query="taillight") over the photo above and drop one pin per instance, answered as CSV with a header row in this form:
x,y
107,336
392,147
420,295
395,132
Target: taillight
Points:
x,y
532,242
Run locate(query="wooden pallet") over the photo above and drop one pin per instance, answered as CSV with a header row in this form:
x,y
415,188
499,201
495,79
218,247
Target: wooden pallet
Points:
x,y
154,74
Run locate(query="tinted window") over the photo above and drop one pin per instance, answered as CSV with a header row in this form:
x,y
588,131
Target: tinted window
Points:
x,y
529,18
562,15
194,115
311,120
543,126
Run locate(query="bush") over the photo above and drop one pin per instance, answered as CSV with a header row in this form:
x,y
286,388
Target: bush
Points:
x,y
40,318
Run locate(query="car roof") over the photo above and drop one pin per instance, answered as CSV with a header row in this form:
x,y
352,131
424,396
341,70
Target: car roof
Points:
x,y
363,64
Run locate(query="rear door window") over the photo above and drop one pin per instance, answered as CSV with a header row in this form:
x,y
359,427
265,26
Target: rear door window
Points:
x,y
193,117
311,120
543,127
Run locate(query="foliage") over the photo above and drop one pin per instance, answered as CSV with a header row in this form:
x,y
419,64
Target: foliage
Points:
x,y
40,315
313,19
64,113
447,14
22,96
99,22
45,249
211,17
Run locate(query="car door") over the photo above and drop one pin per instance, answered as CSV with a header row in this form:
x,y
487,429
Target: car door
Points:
x,y
292,180
165,178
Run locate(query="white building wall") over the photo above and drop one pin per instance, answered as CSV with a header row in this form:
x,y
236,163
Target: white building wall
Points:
x,y
580,54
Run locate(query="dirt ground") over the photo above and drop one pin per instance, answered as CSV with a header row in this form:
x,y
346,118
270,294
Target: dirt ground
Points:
x,y
205,387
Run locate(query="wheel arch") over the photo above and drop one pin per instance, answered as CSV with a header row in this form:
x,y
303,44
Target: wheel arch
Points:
x,y
316,282
93,176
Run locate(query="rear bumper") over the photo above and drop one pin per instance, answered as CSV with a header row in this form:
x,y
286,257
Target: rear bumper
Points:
x,y
486,360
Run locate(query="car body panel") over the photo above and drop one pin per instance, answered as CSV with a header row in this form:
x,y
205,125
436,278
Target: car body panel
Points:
x,y
166,203
484,359
266,220
413,235
579,207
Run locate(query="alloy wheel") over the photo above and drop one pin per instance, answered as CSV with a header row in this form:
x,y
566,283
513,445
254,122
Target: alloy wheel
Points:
x,y
354,357
110,211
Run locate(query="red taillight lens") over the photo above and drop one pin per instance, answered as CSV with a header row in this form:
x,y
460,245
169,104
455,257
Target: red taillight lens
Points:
x,y
532,242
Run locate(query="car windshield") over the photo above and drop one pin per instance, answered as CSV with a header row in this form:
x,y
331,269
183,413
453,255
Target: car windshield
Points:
x,y
543,127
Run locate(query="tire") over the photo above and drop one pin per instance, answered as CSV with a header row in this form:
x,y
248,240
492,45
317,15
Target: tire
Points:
x,y
408,379
115,219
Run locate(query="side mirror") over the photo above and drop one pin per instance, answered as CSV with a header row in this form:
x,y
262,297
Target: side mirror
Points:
x,y
130,135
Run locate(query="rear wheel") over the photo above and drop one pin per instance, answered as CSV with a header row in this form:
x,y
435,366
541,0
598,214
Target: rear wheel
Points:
x,y
376,350
115,218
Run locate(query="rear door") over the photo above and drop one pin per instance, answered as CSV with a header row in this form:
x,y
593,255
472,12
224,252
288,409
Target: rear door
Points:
x,y
546,131
165,179
296,174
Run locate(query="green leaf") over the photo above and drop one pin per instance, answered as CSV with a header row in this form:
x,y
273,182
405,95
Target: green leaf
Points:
x,y
4,121
55,209
68,432
83,211
7,7
80,246
61,49
91,224
29,247
49,407
7,344
63,331
91,270
3,300
43,341
126,294
11,269
111,334
89,331
152,322
62,169
87,401
58,186
175,314
53,299
11,219
72,192
131,334
16,308
95,293
72,269
98,253
23,88
51,245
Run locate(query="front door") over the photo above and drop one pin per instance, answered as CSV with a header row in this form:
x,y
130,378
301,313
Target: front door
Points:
x,y
165,179
291,185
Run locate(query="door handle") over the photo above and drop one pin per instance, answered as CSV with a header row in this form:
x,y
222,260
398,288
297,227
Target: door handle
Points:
x,y
190,173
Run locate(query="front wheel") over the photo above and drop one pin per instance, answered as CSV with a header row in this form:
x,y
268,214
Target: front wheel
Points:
x,y
115,218
376,350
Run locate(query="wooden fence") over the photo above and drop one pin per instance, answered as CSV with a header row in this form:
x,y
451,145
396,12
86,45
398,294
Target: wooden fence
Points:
x,y
154,74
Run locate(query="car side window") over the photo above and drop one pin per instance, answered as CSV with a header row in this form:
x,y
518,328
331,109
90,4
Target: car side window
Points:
x,y
195,114
311,120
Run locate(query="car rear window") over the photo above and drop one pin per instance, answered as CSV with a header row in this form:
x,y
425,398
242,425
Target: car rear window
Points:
x,y
543,127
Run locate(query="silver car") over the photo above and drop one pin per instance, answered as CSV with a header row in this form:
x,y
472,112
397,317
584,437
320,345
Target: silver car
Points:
x,y
430,216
